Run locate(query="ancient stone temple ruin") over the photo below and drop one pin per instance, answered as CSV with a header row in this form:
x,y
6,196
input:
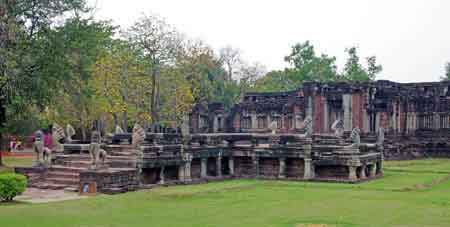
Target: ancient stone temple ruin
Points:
x,y
337,132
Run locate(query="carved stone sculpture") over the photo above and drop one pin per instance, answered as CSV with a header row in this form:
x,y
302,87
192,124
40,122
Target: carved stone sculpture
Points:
x,y
307,125
273,127
118,130
70,132
98,155
138,136
355,137
58,134
338,128
43,154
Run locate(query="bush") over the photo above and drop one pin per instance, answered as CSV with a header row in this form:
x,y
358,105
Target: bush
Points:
x,y
11,185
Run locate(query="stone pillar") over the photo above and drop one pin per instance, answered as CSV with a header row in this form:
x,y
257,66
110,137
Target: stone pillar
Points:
x,y
309,169
309,110
187,171
231,165
204,162
326,124
362,172
282,171
256,165
379,167
352,173
181,174
161,175
219,166
347,105
372,170
254,121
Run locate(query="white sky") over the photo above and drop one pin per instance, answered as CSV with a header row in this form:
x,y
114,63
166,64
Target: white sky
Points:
x,y
411,39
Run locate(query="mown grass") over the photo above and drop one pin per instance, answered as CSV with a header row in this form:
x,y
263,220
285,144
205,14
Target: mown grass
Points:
x,y
414,196
18,161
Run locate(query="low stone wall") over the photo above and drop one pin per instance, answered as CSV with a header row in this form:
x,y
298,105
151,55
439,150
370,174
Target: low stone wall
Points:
x,y
110,181
414,147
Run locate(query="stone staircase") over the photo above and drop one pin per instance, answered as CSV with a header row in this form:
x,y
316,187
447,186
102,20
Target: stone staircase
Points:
x,y
65,170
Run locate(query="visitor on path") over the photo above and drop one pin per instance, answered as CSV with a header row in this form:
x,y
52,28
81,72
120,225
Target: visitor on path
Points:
x,y
13,144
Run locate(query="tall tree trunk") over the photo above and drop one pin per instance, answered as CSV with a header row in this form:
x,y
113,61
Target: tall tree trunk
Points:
x,y
125,121
154,105
153,97
2,124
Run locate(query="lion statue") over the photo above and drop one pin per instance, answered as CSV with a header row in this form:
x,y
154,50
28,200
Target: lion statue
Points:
x,y
98,155
43,154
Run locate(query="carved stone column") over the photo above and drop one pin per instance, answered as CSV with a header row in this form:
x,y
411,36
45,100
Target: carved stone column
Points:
x,y
161,176
219,166
373,170
187,171
231,165
256,165
362,172
352,173
181,172
282,171
309,169
203,168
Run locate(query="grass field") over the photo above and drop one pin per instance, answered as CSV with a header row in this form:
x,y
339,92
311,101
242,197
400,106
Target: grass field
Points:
x,y
412,193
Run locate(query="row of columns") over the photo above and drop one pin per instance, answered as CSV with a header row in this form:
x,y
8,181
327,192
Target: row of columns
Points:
x,y
356,172
184,170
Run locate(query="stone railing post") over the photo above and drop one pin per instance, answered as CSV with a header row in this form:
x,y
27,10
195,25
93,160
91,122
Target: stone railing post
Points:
x,y
309,169
256,165
231,165
282,171
362,172
219,166
203,167
161,175
352,173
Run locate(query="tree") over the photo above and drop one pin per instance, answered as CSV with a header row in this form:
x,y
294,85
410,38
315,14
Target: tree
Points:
x,y
354,71
24,28
446,77
114,76
305,64
231,59
161,44
77,44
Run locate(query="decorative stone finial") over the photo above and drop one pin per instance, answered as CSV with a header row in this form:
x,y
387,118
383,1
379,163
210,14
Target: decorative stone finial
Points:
x,y
338,128
118,130
70,131
138,136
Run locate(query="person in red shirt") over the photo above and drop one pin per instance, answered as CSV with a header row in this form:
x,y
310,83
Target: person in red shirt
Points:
x,y
48,138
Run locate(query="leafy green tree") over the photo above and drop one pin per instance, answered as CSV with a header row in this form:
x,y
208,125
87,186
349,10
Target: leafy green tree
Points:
x,y
161,44
78,44
305,64
446,77
354,71
24,29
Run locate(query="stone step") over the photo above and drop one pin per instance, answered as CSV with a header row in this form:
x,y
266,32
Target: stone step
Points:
x,y
46,185
77,164
63,181
73,157
63,174
61,168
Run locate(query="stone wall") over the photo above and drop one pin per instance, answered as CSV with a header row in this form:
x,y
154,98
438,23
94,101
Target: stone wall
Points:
x,y
111,181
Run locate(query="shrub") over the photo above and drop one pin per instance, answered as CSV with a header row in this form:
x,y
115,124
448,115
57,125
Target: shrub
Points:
x,y
11,185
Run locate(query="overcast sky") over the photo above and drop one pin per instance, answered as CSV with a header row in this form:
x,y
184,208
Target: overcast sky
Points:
x,y
411,39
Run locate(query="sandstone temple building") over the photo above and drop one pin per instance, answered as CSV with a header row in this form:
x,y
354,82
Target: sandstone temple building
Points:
x,y
338,132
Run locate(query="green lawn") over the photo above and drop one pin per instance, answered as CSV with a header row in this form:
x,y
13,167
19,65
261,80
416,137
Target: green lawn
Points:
x,y
17,161
412,193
